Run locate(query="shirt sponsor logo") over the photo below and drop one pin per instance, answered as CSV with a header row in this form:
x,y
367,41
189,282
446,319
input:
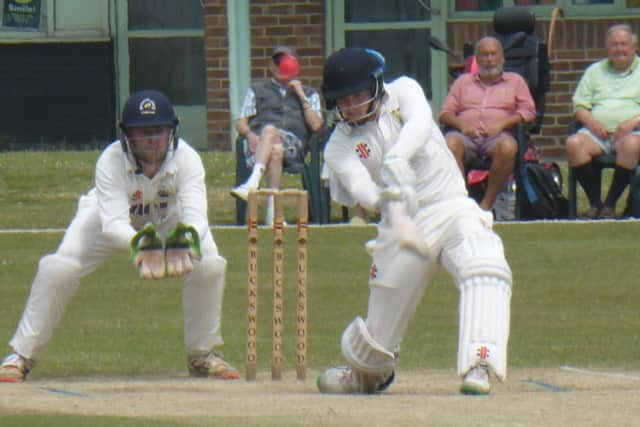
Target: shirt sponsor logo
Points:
x,y
139,209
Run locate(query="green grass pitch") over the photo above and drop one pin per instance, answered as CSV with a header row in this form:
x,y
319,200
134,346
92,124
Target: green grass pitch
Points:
x,y
575,295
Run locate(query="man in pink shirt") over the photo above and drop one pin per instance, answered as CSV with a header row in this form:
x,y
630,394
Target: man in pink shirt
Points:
x,y
482,110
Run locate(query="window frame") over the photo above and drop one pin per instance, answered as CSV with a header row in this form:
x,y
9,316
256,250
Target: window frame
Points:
x,y
336,27
53,31
193,117
619,8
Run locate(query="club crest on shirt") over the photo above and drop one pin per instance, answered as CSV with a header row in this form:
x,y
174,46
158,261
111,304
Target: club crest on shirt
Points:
x,y
373,272
363,150
136,196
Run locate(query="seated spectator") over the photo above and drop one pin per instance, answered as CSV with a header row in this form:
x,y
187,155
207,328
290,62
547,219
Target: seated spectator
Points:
x,y
607,105
278,116
482,110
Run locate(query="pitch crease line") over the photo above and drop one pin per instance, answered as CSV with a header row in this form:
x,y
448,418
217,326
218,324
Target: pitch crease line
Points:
x,y
600,373
547,386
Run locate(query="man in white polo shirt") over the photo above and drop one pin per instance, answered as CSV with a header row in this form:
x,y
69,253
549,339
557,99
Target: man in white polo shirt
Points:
x,y
607,104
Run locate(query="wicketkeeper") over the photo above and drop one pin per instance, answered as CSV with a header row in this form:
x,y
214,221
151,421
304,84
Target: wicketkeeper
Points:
x,y
150,199
387,154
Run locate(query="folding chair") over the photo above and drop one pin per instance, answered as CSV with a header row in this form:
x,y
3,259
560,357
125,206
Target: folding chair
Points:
x,y
309,172
599,163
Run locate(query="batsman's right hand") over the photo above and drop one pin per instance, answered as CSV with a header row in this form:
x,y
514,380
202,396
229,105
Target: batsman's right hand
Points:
x,y
396,172
405,229
147,253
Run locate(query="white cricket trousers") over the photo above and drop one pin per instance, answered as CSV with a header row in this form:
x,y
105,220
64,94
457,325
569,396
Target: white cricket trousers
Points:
x,y
83,248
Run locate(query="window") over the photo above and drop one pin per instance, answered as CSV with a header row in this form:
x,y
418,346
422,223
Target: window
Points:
x,y
174,65
166,49
406,52
592,1
465,5
165,14
395,10
533,2
399,29
596,8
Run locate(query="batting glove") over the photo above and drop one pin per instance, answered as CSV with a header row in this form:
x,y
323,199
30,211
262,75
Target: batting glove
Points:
x,y
404,195
405,230
182,245
147,253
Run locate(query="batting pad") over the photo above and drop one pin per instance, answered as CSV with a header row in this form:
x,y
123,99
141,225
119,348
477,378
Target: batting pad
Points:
x,y
484,314
363,352
478,254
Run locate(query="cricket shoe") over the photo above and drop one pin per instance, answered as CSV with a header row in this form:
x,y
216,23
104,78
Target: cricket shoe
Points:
x,y
476,381
241,192
345,380
15,368
211,365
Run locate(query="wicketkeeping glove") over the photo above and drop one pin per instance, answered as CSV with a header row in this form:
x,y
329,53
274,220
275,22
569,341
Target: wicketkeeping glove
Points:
x,y
182,245
147,253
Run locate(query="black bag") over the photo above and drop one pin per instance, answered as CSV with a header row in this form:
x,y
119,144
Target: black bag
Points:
x,y
542,190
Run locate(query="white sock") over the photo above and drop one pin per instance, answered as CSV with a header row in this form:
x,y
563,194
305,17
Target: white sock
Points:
x,y
256,175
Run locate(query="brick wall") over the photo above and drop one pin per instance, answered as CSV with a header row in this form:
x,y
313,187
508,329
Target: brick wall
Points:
x,y
576,44
216,45
299,24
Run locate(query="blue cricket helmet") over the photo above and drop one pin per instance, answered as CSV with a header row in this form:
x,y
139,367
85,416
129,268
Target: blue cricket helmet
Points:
x,y
148,108
350,70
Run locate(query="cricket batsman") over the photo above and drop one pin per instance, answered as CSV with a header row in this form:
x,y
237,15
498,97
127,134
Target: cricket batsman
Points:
x,y
386,153
149,199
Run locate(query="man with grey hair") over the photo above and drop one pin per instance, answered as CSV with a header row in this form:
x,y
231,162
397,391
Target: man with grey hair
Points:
x,y
482,111
607,105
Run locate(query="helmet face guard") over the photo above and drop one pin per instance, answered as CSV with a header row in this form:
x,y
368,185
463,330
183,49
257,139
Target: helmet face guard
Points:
x,y
373,102
150,145
351,70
